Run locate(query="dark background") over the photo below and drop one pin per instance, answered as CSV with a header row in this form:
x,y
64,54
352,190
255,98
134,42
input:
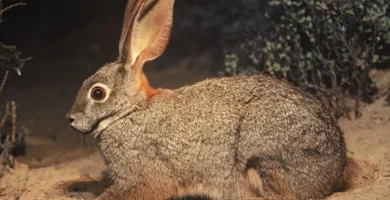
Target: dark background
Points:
x,y
69,40
87,31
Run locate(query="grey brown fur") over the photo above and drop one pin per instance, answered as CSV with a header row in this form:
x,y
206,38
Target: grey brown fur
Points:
x,y
225,138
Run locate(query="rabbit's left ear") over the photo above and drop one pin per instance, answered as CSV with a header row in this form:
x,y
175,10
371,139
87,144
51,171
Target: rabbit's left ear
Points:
x,y
146,31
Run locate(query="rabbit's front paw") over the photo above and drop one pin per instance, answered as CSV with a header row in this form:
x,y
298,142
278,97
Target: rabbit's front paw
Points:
x,y
141,193
113,193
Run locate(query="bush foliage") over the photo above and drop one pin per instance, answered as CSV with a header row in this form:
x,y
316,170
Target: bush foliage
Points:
x,y
324,47
218,21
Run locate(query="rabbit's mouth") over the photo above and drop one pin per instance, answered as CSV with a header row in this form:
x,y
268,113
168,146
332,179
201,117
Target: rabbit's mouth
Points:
x,y
88,131
92,130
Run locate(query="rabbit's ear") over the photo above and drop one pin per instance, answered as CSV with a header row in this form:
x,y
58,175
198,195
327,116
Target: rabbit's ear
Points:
x,y
146,31
130,12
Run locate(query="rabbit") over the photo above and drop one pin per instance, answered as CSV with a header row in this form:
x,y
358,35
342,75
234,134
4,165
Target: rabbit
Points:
x,y
221,138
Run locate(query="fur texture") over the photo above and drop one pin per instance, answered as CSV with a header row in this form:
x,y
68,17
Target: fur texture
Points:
x,y
235,137
203,138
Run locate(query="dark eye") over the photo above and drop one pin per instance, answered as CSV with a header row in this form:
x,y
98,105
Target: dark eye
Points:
x,y
98,93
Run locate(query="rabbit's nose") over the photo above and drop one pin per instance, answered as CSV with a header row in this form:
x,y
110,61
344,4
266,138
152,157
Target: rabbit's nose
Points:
x,y
70,118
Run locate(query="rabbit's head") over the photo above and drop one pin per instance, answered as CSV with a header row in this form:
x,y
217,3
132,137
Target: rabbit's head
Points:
x,y
121,86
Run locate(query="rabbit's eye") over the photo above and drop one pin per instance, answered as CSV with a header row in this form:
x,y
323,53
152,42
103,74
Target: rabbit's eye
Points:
x,y
98,93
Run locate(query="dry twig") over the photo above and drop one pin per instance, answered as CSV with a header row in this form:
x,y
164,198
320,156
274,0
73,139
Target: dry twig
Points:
x,y
11,6
13,114
5,115
5,77
9,60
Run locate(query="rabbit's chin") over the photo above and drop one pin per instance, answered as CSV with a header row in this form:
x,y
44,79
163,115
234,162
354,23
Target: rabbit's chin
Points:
x,y
96,129
86,132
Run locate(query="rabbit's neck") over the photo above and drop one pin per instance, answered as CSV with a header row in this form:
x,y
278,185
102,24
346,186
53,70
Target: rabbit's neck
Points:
x,y
149,93
124,146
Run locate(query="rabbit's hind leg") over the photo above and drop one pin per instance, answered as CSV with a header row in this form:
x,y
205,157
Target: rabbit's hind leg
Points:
x,y
298,176
268,178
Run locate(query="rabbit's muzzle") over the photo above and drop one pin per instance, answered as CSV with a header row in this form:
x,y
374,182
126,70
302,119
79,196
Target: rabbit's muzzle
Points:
x,y
80,125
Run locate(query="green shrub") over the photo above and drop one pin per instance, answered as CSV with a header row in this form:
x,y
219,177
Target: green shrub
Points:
x,y
324,48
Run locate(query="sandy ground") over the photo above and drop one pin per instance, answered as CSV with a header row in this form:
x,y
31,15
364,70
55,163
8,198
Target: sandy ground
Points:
x,y
53,172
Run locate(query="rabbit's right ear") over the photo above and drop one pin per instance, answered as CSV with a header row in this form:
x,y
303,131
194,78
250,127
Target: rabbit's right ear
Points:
x,y
146,31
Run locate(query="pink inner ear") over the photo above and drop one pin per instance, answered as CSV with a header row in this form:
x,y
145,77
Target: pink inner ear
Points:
x,y
130,13
139,61
151,30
